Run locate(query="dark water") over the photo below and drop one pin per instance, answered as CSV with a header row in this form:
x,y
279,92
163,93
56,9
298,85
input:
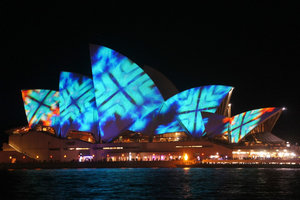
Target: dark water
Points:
x,y
162,183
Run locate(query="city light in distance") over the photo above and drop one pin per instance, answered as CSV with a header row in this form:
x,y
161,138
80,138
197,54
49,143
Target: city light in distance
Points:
x,y
185,157
112,148
284,108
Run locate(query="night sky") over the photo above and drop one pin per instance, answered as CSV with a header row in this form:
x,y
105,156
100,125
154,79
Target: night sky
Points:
x,y
253,47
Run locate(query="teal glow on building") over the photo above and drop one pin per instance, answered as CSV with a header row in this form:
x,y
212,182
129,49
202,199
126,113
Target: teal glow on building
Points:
x,y
77,104
121,97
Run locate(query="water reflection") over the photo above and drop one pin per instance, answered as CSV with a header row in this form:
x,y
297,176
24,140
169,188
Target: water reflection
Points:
x,y
159,183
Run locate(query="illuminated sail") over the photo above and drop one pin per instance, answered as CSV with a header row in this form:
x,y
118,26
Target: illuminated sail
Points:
x,y
77,104
185,108
41,107
124,93
243,123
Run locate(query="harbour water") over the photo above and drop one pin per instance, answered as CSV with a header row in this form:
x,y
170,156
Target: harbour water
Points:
x,y
151,183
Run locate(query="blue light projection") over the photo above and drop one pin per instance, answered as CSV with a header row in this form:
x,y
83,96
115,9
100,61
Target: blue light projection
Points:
x,y
186,108
77,104
121,97
171,127
125,95
145,125
243,123
41,107
215,124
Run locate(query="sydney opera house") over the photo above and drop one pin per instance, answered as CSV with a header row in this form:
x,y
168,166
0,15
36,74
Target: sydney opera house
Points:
x,y
125,112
